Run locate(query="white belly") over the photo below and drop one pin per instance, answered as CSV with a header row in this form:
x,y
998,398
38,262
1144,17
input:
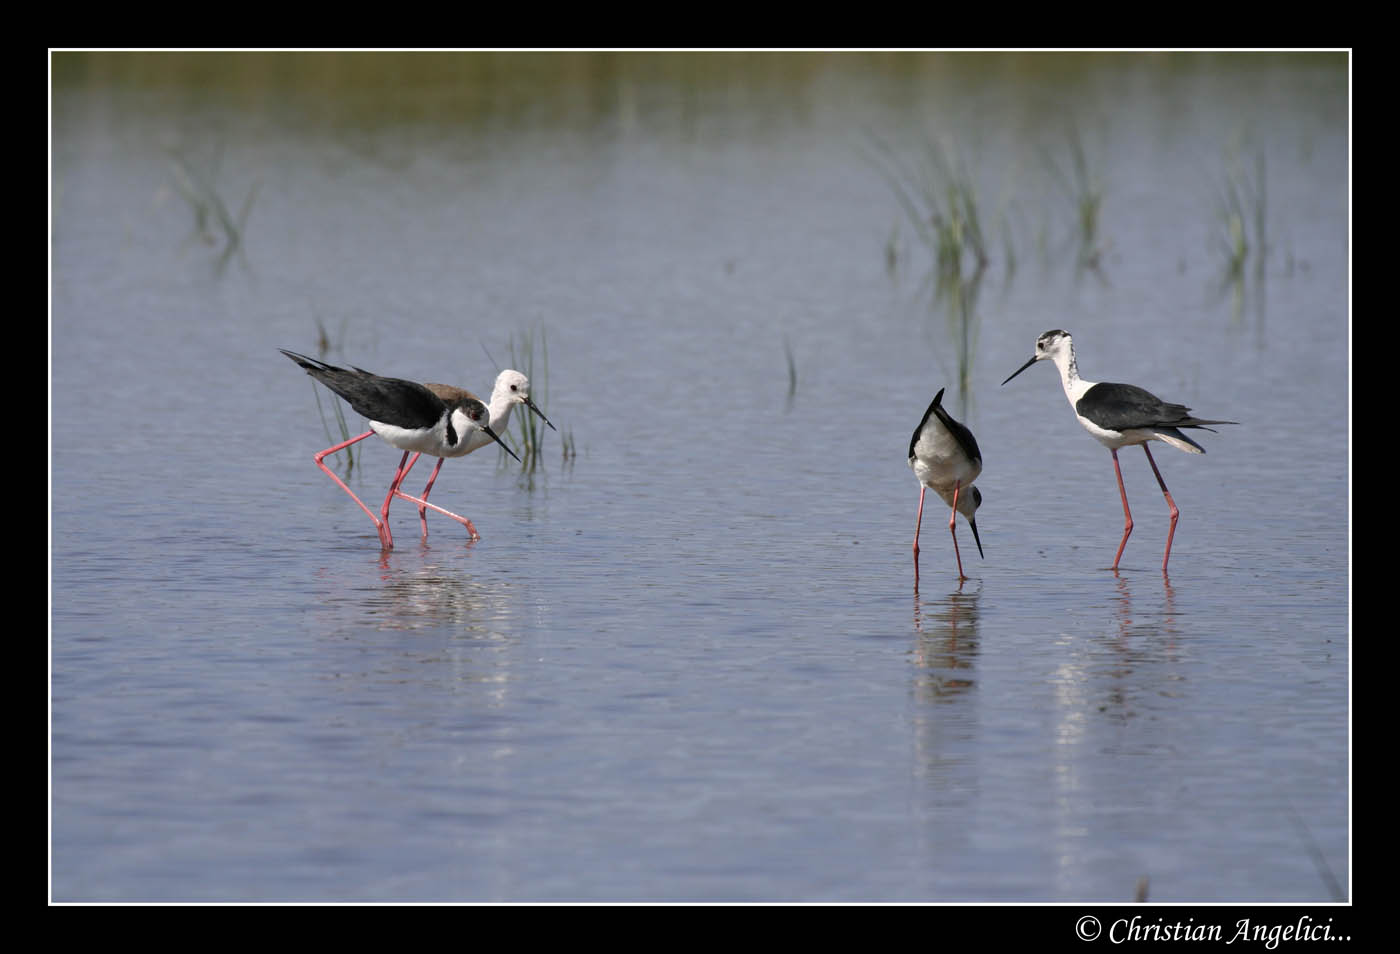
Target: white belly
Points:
x,y
940,465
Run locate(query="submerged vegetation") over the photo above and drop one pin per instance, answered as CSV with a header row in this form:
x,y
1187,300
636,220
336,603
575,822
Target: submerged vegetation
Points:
x,y
962,236
1240,237
792,372
941,204
196,184
1082,187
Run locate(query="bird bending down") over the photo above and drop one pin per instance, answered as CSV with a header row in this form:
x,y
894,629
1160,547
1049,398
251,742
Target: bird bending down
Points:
x,y
1118,415
945,456
416,418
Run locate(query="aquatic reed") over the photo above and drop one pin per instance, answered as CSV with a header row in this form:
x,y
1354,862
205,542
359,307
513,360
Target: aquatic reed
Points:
x,y
1241,222
1082,187
529,429
939,198
941,204
196,185
792,371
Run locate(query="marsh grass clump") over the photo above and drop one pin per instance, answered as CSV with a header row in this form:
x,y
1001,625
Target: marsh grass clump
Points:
x,y
942,205
1241,225
196,185
1082,188
528,430
940,201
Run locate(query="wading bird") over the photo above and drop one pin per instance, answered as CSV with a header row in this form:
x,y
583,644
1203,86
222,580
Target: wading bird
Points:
x,y
1118,415
433,419
944,456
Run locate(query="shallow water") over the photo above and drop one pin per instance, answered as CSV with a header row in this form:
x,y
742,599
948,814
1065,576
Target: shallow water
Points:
x,y
690,663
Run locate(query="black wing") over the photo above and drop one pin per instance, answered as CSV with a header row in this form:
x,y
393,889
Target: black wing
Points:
x,y
1121,407
960,433
387,400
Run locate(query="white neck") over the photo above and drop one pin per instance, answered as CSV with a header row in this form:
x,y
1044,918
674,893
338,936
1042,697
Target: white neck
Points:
x,y
501,405
1074,385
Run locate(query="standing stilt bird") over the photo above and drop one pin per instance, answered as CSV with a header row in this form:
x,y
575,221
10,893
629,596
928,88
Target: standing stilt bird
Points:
x,y
1118,415
417,418
945,456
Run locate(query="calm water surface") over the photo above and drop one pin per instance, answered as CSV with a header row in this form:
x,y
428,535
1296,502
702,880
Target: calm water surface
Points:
x,y
689,663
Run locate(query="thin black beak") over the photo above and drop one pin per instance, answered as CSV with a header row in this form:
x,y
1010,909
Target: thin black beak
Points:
x,y
973,525
532,406
497,438
1022,368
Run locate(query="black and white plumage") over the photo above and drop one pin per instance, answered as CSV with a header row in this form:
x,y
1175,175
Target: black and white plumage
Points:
x,y
433,419
1118,415
945,457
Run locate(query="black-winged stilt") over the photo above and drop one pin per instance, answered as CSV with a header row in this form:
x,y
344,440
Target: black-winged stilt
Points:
x,y
417,418
945,456
1118,415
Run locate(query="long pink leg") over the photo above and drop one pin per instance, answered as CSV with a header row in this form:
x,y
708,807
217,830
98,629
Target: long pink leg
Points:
x,y
1127,514
422,509
953,529
1170,503
398,482
385,538
446,513
405,465
917,522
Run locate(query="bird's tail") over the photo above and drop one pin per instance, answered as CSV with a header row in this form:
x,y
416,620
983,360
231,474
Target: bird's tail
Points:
x,y
1202,424
1180,441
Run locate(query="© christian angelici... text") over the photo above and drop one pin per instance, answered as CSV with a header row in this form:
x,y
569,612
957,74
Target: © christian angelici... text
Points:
x,y
1271,935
